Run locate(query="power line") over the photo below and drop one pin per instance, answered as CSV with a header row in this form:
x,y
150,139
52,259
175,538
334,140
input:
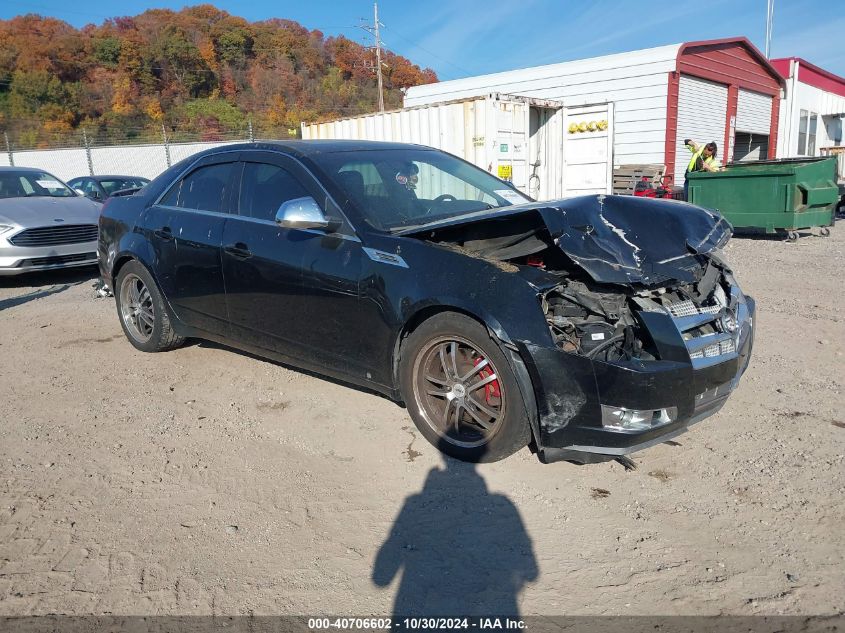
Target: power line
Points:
x,y
466,73
374,31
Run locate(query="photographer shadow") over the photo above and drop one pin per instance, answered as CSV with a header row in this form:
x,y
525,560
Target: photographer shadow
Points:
x,y
460,549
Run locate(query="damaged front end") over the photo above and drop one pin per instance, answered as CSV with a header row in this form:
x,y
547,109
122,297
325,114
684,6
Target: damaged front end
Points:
x,y
649,331
638,365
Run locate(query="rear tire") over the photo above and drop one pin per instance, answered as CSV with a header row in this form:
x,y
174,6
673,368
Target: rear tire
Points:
x,y
142,311
460,390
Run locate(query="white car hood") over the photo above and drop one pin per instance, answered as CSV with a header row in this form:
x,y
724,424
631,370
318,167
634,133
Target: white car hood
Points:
x,y
46,211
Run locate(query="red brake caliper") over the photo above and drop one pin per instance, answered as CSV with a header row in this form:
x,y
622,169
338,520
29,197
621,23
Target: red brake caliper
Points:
x,y
491,389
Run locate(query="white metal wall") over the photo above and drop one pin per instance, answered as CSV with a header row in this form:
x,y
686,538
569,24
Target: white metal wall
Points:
x,y
702,113
753,112
133,160
492,132
447,126
635,82
62,163
142,160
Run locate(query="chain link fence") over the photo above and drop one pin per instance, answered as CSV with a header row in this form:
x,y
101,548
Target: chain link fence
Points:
x,y
144,152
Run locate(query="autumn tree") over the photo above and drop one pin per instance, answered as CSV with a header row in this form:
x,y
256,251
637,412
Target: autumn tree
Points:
x,y
200,70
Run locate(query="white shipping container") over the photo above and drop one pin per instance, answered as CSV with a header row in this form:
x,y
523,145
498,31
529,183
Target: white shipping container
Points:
x,y
520,139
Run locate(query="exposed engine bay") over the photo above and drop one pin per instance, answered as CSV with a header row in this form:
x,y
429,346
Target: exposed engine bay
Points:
x,y
595,276
604,325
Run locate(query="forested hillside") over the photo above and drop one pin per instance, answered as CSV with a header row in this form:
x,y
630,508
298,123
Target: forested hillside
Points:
x,y
199,72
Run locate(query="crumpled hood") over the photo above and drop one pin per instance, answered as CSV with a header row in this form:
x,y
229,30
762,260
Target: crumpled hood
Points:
x,y
622,239
626,239
44,211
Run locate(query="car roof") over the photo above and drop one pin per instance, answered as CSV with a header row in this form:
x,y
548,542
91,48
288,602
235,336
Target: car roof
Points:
x,y
100,177
28,169
315,147
114,177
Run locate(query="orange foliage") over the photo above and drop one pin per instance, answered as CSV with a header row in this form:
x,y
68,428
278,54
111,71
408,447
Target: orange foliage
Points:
x,y
135,73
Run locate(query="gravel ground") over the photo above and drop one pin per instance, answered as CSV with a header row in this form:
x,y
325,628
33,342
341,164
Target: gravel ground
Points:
x,y
205,480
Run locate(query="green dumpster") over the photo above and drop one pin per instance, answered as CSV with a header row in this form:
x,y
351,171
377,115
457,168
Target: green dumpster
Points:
x,y
771,195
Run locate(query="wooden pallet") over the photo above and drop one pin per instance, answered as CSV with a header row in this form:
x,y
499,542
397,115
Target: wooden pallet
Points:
x,y
625,177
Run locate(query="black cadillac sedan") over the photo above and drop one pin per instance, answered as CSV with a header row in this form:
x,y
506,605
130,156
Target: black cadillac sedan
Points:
x,y
589,327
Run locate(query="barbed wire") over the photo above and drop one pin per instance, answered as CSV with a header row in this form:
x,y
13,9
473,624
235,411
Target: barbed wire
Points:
x,y
25,140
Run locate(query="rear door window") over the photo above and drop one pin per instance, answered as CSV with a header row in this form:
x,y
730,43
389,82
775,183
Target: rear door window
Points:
x,y
264,188
204,189
89,186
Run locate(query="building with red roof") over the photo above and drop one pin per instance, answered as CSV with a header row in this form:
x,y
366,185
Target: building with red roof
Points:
x,y
812,109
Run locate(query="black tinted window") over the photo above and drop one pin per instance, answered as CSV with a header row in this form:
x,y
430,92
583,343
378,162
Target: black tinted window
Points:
x,y
112,185
396,188
19,184
204,189
88,186
264,188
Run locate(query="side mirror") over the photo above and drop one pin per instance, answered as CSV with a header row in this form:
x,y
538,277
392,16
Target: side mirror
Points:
x,y
79,191
302,213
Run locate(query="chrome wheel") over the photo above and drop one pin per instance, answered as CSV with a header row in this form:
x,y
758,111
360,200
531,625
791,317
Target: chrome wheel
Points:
x,y
457,392
136,308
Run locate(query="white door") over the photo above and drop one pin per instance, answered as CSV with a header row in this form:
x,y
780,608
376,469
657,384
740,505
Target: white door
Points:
x,y
588,150
509,140
753,112
753,125
545,153
702,113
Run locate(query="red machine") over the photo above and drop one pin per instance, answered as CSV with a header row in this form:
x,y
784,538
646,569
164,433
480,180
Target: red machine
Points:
x,y
645,189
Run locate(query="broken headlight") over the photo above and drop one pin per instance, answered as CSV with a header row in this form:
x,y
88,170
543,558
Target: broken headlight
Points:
x,y
622,419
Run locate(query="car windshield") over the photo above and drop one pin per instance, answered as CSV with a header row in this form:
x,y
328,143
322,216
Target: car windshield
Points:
x,y
116,184
27,184
397,188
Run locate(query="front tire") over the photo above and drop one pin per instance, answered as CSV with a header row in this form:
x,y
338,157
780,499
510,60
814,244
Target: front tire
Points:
x,y
142,311
460,390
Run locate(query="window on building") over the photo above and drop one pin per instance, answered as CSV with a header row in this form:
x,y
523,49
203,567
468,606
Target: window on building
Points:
x,y
807,133
748,146
834,128
811,135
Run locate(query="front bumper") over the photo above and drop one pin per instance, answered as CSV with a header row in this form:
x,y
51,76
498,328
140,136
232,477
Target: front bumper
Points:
x,y
570,389
16,260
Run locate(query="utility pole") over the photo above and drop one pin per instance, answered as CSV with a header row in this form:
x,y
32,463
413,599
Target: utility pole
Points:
x,y
374,31
770,20
378,60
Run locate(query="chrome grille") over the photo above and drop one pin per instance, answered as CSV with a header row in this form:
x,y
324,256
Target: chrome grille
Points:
x,y
688,308
716,349
56,235
58,259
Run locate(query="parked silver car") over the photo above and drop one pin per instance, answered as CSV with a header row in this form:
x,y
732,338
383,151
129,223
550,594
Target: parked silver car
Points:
x,y
44,224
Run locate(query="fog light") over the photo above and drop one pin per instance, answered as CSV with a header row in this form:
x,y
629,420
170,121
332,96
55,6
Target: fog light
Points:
x,y
622,419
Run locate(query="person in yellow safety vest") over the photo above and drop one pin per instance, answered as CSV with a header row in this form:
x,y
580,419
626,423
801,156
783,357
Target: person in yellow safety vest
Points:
x,y
703,159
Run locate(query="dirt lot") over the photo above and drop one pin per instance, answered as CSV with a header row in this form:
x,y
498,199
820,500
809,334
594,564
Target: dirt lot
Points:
x,y
209,481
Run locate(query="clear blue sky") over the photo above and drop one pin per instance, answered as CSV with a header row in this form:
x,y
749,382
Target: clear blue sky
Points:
x,y
465,37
